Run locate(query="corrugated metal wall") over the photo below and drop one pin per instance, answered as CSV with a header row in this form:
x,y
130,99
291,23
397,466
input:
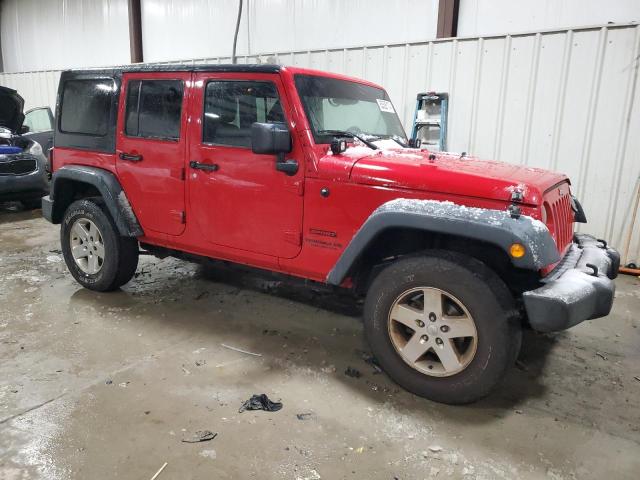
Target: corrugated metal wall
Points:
x,y
37,88
565,100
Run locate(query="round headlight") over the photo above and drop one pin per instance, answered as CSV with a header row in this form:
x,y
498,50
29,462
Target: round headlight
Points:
x,y
35,149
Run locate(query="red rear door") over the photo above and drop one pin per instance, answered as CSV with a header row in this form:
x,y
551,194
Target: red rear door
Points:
x,y
151,148
239,199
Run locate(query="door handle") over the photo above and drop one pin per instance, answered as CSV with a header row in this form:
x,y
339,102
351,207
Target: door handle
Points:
x,y
130,157
209,167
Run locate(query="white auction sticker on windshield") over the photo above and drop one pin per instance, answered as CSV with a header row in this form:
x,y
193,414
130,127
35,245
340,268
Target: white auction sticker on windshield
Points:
x,y
385,106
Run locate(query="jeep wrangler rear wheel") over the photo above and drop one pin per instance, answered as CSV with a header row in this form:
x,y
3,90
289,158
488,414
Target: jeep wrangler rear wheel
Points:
x,y
442,326
95,253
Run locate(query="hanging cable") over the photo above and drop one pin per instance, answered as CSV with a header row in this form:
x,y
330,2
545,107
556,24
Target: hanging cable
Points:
x,y
235,36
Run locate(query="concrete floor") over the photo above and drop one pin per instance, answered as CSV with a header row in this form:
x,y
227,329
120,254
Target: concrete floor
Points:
x,y
107,385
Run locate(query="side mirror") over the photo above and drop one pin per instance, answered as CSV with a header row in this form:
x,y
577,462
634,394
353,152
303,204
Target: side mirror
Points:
x,y
24,129
274,138
415,142
270,138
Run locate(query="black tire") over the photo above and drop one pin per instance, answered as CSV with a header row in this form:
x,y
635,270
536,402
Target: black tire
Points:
x,y
121,253
485,296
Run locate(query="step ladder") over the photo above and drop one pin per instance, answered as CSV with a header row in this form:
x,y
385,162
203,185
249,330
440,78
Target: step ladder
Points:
x,y
430,120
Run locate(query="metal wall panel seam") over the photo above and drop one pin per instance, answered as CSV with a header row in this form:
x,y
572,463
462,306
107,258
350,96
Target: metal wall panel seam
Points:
x,y
504,79
622,144
385,62
405,81
593,105
476,94
344,61
428,75
452,77
557,125
531,94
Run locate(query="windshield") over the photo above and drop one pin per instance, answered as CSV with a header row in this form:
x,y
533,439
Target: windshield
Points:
x,y
332,104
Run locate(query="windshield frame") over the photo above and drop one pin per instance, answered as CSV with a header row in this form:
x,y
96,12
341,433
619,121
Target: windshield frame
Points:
x,y
328,138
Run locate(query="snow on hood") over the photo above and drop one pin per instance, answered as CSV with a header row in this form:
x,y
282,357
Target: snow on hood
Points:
x,y
443,172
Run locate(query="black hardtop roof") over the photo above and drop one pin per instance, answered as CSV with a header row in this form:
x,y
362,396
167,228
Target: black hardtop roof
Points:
x,y
177,67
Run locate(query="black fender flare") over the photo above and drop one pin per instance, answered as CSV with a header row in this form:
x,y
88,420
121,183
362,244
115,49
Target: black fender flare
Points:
x,y
496,227
106,183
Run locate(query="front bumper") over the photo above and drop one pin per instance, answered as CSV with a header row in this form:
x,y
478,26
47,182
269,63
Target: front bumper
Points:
x,y
580,288
25,186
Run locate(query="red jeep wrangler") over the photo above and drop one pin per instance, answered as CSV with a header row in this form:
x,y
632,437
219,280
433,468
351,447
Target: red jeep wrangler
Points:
x,y
311,174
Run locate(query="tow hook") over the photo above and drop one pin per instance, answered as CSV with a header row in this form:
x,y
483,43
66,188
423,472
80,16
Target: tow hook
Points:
x,y
514,211
594,268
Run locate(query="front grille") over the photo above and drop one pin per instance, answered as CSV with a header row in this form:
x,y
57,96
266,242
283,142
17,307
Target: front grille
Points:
x,y
17,165
560,216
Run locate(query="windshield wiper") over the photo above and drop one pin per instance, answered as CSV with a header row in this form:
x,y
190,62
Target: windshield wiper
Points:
x,y
343,133
396,139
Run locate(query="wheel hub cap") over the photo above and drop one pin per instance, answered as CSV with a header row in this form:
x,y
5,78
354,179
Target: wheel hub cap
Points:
x,y
87,246
432,331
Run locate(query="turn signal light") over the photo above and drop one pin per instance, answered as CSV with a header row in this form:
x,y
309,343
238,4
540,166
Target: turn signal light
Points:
x,y
517,250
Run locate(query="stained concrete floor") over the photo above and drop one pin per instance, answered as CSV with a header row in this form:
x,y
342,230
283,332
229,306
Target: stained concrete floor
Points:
x,y
106,385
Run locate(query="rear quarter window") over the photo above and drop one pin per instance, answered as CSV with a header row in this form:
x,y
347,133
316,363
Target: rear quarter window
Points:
x,y
86,106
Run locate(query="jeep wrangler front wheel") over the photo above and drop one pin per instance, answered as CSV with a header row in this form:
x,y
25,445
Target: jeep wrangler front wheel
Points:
x,y
95,253
442,326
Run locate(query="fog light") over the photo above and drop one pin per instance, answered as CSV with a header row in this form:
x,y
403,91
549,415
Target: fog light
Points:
x,y
338,146
517,250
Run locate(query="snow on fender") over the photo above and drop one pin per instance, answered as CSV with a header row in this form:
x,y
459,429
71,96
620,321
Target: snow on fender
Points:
x,y
497,227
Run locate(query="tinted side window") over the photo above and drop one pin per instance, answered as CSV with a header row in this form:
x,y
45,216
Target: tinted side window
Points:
x,y
154,109
231,107
86,106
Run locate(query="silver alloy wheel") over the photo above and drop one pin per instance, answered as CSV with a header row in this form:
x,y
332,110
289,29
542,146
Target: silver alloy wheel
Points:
x,y
432,331
87,246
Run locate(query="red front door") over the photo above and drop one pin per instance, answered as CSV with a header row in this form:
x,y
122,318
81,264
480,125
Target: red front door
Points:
x,y
151,148
237,198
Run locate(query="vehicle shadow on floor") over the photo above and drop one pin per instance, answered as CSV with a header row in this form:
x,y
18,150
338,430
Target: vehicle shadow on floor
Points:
x,y
311,293
521,383
15,212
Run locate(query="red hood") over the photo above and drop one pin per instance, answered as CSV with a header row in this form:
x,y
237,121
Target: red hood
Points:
x,y
446,173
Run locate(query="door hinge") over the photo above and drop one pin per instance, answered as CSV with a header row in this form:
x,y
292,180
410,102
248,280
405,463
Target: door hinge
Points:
x,y
183,173
183,217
